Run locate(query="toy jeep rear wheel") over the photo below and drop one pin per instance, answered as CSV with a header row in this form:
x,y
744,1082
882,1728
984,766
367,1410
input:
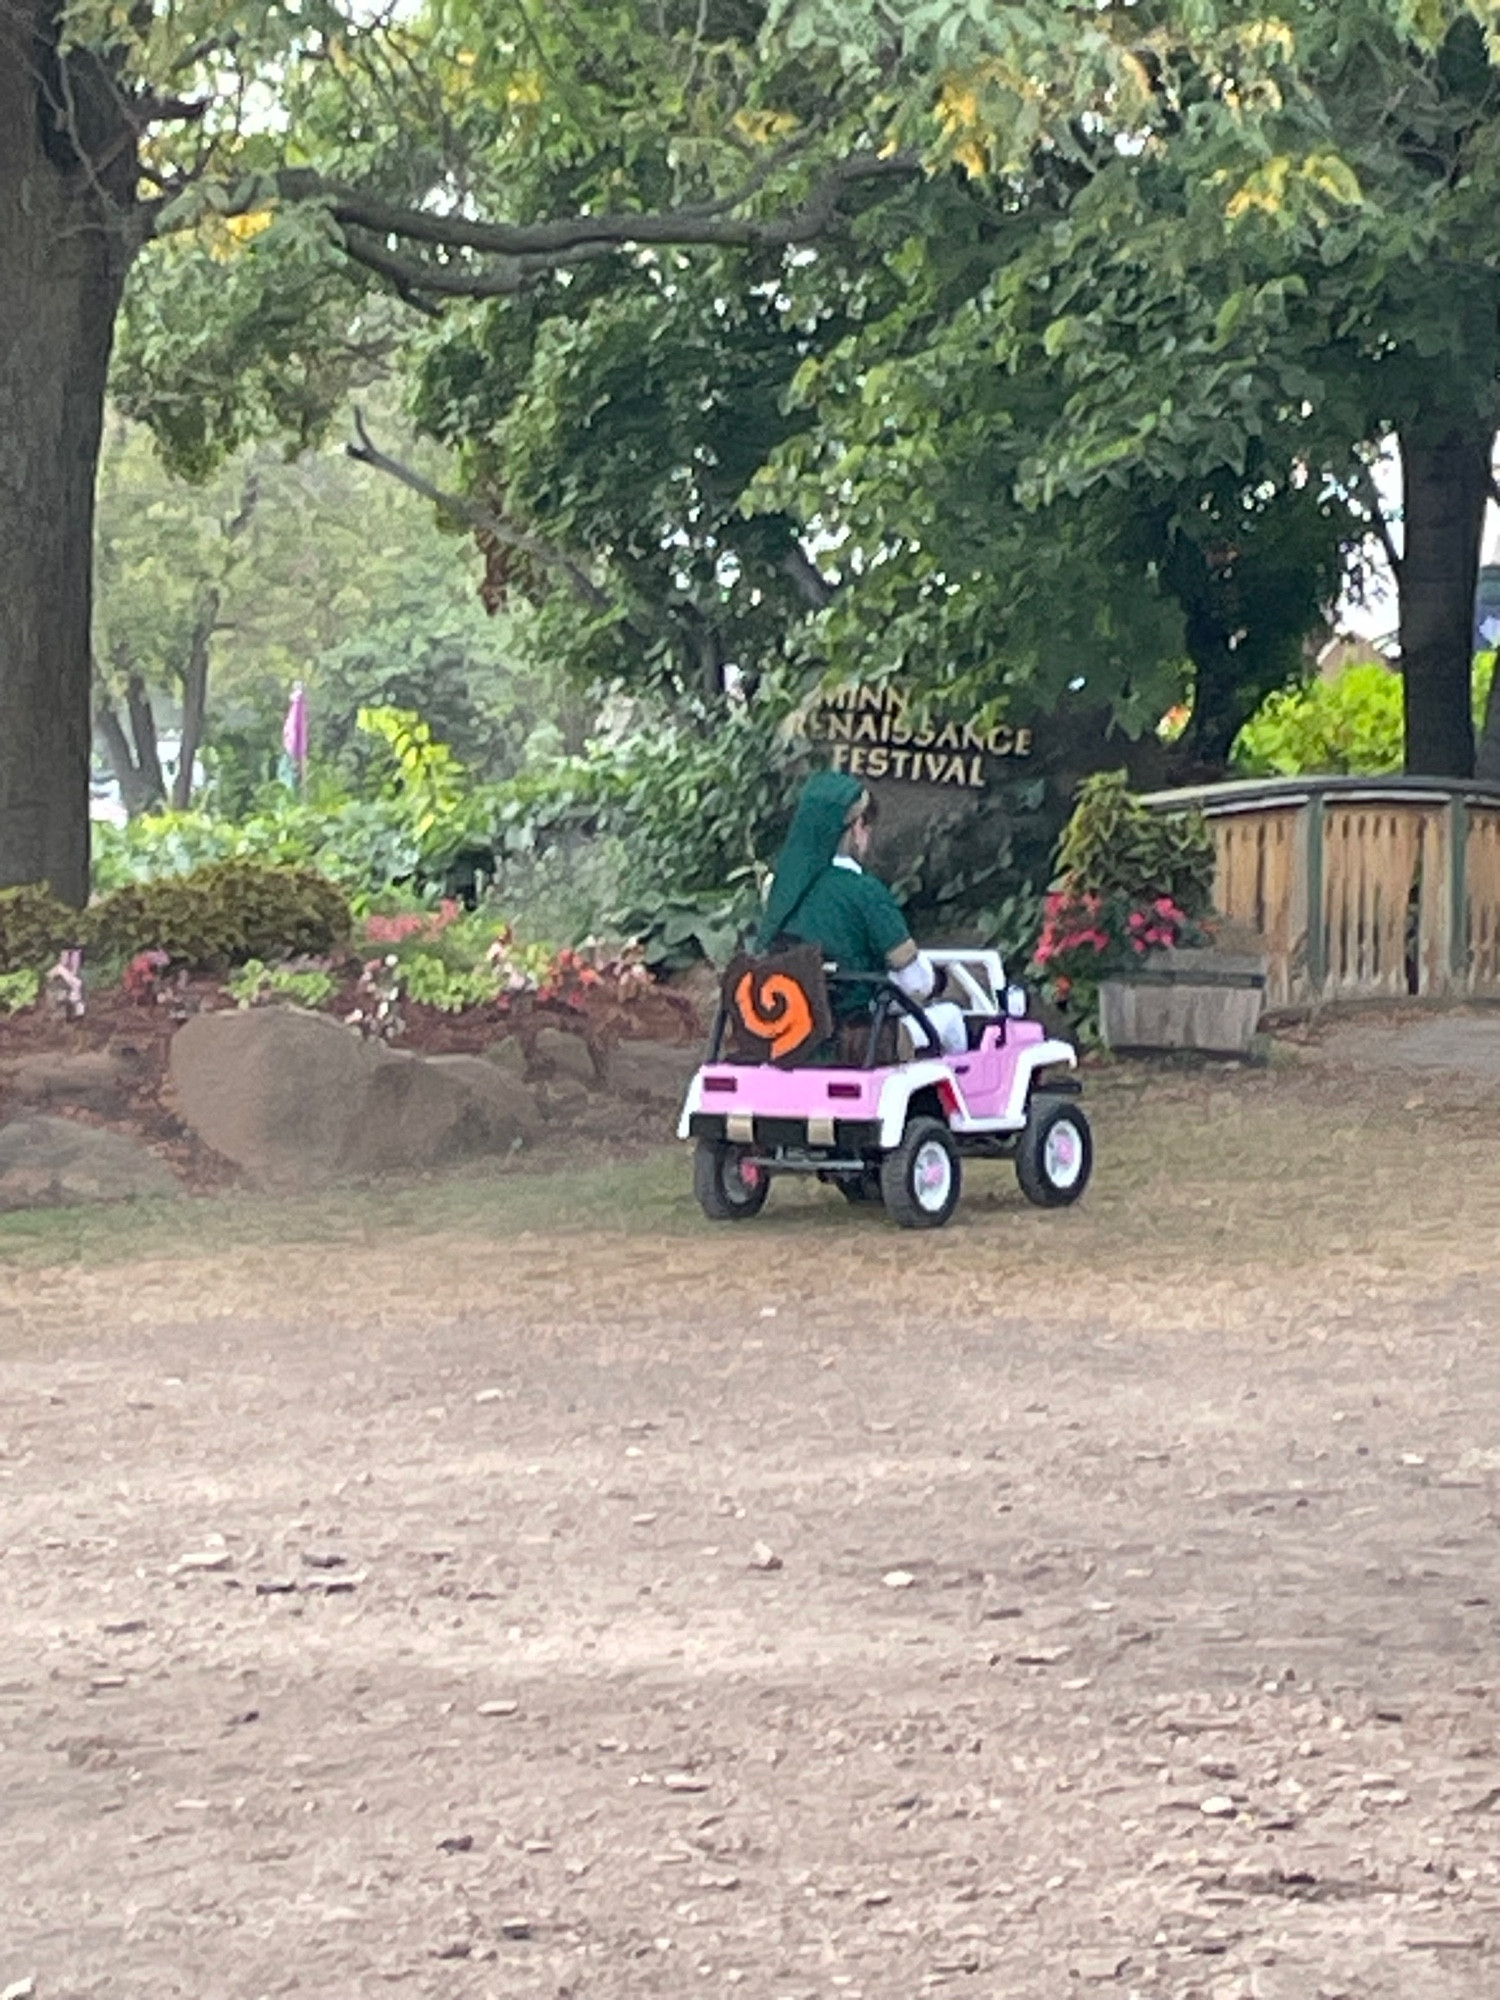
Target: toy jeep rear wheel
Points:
x,y
729,1188
921,1179
1056,1152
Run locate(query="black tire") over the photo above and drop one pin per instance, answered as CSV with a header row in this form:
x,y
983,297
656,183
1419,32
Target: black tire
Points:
x,y
722,1195
912,1197
1056,1152
860,1190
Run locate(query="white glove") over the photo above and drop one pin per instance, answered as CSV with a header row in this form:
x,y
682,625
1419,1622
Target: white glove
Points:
x,y
917,979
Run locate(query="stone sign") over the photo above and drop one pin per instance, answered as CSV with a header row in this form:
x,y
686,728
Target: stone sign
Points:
x,y
869,734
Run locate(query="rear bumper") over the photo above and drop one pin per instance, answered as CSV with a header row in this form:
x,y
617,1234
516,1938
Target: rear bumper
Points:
x,y
843,1135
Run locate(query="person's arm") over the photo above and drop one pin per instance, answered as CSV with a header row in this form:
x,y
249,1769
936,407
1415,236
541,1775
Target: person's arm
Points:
x,y
912,970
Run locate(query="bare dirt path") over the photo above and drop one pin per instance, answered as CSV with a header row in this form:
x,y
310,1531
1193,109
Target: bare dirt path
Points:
x,y
380,1609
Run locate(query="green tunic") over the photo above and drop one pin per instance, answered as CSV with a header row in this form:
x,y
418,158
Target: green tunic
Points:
x,y
854,917
857,921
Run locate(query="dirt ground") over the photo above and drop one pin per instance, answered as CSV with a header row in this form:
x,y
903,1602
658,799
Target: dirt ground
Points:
x,y
513,1586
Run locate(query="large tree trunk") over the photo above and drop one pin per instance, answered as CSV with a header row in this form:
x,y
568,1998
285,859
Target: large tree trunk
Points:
x,y
62,238
1446,486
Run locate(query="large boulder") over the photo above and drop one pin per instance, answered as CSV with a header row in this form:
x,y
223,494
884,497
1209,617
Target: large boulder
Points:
x,y
60,1163
296,1100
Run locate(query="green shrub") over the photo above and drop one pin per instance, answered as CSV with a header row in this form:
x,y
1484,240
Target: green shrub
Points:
x,y
256,982
1351,725
1114,847
222,915
34,928
427,979
19,990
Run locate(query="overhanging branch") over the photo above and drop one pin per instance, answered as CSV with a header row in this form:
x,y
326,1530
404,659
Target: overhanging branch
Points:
x,y
474,515
520,253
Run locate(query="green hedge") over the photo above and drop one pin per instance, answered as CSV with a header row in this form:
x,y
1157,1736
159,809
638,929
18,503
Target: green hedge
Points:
x,y
208,920
34,928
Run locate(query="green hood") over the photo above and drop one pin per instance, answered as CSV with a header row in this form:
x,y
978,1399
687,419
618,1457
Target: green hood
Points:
x,y
823,813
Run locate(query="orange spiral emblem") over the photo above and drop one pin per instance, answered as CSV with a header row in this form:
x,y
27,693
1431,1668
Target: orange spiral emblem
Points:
x,y
780,1013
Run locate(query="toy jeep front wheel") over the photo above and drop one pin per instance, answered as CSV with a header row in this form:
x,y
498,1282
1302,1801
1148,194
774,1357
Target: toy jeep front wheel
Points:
x,y
1056,1153
729,1186
920,1180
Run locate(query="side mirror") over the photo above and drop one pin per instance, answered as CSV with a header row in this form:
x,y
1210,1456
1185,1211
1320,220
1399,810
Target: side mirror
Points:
x,y
1015,1003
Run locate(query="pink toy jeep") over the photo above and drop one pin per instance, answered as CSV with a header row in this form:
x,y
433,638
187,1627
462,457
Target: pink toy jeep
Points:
x,y
896,1125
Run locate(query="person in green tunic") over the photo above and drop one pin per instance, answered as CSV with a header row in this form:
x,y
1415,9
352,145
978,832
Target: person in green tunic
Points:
x,y
821,895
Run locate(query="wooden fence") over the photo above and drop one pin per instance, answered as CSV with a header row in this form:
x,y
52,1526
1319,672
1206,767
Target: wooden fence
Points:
x,y
1363,888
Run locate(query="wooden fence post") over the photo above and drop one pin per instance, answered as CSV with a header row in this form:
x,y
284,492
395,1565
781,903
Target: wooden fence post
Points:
x,y
1317,941
1458,891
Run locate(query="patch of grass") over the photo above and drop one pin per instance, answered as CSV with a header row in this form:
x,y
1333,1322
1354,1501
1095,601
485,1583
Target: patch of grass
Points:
x,y
1235,1176
622,1196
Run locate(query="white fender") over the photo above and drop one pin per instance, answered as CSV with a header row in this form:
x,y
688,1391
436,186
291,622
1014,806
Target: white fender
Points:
x,y
901,1086
1045,1055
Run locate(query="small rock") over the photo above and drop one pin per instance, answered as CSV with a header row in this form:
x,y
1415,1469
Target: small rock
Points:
x,y
508,1055
898,1579
718,1882
556,1053
562,1097
456,1843
490,1396
276,1586
124,1628
877,1898
1043,1656
764,1557
458,1948
19,1989
515,1927
101,1683
92,1077
204,1559
498,1707
323,1559
684,1781
335,1586
1218,1807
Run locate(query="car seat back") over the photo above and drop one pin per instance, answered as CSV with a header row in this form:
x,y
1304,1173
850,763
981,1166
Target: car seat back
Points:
x,y
776,1006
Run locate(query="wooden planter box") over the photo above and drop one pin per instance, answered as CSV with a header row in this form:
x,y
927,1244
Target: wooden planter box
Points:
x,y
1205,1000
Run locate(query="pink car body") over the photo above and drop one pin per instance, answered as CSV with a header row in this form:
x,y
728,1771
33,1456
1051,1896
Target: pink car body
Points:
x,y
982,1091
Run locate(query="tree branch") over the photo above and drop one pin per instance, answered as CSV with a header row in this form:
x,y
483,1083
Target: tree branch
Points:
x,y
412,277
1380,525
538,247
474,515
816,592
